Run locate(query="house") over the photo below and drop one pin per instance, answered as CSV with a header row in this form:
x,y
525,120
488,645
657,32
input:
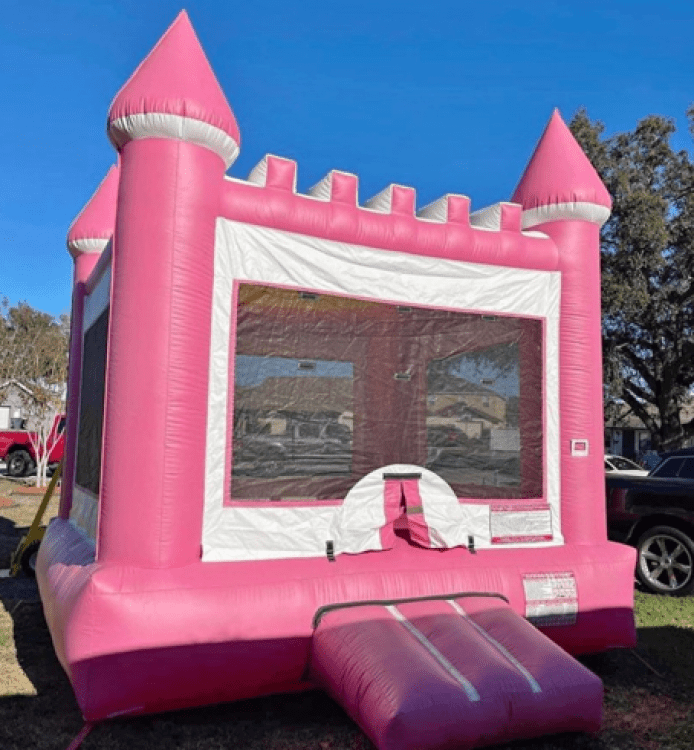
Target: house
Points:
x,y
278,399
626,435
13,398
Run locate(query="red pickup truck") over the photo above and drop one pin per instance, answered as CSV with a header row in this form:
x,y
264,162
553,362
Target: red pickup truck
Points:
x,y
18,453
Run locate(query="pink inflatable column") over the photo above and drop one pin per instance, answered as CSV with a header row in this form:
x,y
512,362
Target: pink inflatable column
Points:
x,y
88,236
176,135
563,197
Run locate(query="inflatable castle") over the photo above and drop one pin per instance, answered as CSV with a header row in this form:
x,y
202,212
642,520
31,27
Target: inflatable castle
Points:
x,y
318,442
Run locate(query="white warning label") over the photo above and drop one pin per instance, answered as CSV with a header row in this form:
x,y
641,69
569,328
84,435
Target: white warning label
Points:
x,y
511,524
550,598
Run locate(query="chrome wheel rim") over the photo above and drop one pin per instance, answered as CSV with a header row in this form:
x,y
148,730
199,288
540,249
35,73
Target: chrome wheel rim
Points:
x,y
665,562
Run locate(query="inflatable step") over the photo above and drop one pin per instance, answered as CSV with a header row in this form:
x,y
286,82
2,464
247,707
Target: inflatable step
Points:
x,y
463,672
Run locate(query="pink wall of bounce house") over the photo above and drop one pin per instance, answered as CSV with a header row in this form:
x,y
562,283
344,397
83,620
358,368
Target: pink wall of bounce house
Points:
x,y
221,324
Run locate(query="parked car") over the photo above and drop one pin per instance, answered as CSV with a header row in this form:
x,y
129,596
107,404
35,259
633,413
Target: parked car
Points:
x,y
17,451
446,443
676,464
312,446
618,465
655,514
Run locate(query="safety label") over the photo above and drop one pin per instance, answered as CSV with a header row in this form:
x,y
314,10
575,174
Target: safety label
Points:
x,y
510,524
550,598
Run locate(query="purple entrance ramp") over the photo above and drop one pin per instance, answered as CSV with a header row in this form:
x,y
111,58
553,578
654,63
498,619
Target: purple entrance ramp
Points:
x,y
463,672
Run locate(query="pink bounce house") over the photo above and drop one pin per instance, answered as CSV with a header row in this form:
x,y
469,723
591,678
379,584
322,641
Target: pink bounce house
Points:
x,y
318,443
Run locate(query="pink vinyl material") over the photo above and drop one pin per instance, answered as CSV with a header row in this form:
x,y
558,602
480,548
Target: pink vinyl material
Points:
x,y
102,614
143,623
185,85
417,526
162,288
344,221
96,221
559,172
457,673
581,417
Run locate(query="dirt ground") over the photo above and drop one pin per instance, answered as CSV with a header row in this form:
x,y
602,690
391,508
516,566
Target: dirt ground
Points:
x,y
649,692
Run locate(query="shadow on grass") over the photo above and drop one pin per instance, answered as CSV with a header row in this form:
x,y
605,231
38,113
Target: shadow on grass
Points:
x,y
643,710
10,535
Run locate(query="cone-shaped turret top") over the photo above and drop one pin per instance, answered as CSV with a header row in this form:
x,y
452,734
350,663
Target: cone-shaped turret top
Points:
x,y
175,94
560,182
93,227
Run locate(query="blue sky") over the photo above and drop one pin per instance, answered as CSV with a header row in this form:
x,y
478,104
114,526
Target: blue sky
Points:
x,y
445,96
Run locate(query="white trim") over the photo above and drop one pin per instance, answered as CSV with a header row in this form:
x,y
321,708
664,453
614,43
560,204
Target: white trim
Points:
x,y
534,684
437,211
88,245
258,175
96,302
164,125
575,211
84,512
382,202
467,686
245,252
357,522
489,217
322,190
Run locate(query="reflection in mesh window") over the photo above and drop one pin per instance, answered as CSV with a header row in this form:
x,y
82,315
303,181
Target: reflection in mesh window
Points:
x,y
473,436
329,388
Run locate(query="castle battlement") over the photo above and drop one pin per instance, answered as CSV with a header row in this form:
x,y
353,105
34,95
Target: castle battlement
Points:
x,y
271,414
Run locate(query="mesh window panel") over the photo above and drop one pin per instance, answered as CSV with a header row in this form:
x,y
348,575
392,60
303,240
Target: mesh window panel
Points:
x,y
328,388
88,470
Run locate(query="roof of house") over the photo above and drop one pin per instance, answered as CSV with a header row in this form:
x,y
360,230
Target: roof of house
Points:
x,y
298,394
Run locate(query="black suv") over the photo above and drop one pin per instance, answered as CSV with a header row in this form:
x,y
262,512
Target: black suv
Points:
x,y
676,464
655,514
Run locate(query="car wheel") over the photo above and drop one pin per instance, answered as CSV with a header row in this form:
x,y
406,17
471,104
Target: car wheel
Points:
x,y
665,563
18,464
28,559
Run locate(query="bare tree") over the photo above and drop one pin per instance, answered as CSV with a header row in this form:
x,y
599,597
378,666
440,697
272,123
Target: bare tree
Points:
x,y
34,354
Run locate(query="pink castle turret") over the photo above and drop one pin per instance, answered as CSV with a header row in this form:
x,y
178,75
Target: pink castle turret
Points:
x,y
563,196
88,236
560,183
174,94
91,230
172,127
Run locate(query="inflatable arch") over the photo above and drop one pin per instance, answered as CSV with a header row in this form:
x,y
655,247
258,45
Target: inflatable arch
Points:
x,y
295,416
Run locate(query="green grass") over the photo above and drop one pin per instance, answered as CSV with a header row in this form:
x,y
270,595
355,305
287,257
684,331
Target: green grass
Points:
x,y
666,634
653,611
6,640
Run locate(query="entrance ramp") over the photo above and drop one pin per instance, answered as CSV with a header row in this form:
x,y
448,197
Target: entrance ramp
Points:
x,y
460,672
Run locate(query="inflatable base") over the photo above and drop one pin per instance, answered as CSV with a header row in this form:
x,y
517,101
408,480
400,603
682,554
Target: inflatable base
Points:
x,y
450,673
135,640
